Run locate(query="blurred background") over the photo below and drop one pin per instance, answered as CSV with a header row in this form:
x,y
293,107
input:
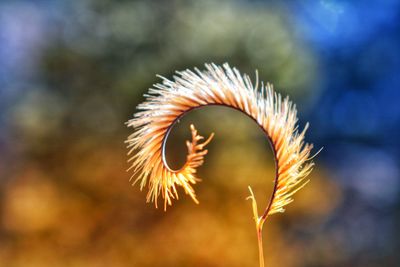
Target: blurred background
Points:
x,y
73,72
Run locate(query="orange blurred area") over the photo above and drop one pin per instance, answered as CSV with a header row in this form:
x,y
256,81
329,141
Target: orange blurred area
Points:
x,y
84,212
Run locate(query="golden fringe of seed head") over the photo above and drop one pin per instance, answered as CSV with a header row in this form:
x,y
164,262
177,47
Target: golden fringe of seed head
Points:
x,y
169,100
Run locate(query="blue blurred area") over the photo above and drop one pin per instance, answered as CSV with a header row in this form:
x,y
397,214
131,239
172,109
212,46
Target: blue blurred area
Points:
x,y
357,45
357,115
51,53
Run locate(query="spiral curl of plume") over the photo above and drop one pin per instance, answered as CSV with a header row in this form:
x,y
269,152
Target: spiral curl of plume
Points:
x,y
168,101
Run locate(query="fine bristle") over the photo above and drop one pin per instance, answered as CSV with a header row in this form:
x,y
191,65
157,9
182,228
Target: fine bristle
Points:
x,y
169,100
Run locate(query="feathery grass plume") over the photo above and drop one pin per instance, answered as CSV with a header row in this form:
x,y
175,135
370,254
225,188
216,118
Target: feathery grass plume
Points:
x,y
168,101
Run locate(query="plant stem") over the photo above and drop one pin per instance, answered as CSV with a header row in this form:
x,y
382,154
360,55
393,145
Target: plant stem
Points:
x,y
259,220
260,245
